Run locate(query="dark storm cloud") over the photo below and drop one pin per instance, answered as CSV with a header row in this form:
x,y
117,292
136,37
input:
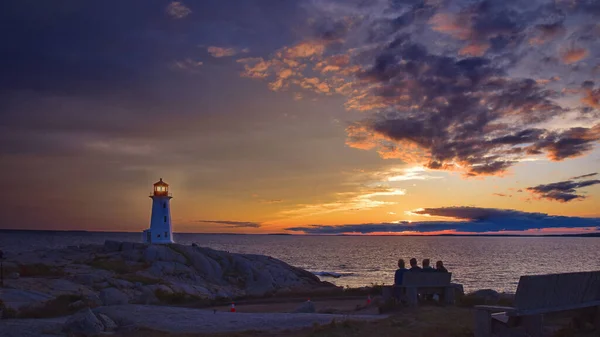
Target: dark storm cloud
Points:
x,y
563,191
479,220
233,224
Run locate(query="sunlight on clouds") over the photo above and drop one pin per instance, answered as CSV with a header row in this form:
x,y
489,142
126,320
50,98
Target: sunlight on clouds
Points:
x,y
186,65
415,212
574,54
454,108
178,10
348,201
221,51
412,173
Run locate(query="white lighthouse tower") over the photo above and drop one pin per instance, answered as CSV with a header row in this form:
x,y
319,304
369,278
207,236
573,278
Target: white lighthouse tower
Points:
x,y
160,221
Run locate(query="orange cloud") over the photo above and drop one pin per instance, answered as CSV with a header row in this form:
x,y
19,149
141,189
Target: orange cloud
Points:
x,y
450,24
304,50
592,98
186,64
333,63
221,51
574,54
474,49
255,67
178,10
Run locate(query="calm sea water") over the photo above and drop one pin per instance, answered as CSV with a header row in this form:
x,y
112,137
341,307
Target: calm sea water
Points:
x,y
476,262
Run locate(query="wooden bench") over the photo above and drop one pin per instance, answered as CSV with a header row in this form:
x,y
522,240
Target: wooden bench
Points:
x,y
537,295
424,283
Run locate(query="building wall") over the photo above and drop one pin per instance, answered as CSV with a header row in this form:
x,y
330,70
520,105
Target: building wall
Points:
x,y
160,221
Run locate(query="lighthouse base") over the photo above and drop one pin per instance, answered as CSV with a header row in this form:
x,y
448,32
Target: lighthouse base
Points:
x,y
158,237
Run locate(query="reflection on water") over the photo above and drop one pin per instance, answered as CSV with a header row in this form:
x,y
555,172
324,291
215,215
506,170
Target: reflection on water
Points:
x,y
476,262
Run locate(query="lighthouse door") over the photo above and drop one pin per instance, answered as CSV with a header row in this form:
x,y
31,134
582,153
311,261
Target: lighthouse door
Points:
x,y
148,236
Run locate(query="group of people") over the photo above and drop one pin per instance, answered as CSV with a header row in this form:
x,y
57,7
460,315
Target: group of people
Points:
x,y
439,267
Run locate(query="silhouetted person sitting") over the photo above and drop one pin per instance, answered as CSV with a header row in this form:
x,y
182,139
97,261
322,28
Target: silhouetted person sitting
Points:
x,y
398,276
426,266
400,272
413,265
439,267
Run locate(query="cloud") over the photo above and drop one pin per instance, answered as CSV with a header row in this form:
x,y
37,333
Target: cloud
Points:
x,y
460,86
178,10
478,220
545,33
563,191
271,201
412,173
502,195
584,176
186,65
591,96
364,198
234,224
223,51
574,54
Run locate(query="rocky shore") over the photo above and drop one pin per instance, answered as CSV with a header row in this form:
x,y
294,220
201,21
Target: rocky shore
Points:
x,y
118,273
122,286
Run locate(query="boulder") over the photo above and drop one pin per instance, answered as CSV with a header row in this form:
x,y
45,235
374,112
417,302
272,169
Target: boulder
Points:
x,y
109,324
489,296
113,296
86,279
83,323
77,305
306,307
16,299
192,270
93,300
119,283
148,296
162,253
128,246
459,290
112,246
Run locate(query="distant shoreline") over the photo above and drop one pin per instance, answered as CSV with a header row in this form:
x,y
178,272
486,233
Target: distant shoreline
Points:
x,y
593,235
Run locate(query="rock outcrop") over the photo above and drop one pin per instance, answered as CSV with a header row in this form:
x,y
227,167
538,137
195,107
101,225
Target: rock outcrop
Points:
x,y
124,272
84,323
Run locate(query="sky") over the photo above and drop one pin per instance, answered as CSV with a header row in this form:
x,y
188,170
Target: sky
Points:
x,y
302,117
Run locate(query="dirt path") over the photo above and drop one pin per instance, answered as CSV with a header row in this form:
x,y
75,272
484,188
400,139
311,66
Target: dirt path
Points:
x,y
184,320
31,327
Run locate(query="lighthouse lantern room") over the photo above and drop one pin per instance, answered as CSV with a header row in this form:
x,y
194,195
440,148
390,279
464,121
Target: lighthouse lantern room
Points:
x,y
160,230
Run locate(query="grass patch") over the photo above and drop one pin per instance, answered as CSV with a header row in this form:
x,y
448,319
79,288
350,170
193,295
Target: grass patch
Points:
x,y
171,298
6,312
422,322
40,270
469,301
117,266
56,307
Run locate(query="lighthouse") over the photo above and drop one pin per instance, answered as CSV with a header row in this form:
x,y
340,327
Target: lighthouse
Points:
x,y
160,221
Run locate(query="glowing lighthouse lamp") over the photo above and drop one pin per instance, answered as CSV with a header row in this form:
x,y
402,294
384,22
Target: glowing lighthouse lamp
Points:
x,y
160,221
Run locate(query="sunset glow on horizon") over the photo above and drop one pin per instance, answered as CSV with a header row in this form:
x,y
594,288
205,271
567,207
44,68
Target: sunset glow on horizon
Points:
x,y
320,117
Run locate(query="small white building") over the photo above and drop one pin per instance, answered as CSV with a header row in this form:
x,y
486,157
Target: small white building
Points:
x,y
160,230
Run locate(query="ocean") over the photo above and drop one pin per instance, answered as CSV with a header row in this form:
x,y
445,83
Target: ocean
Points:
x,y
475,262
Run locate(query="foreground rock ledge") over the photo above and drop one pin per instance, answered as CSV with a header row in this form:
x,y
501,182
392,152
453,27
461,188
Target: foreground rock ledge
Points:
x,y
123,272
